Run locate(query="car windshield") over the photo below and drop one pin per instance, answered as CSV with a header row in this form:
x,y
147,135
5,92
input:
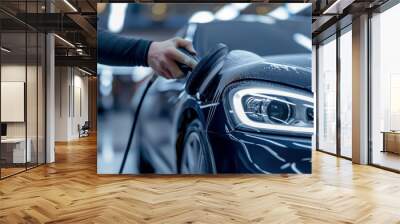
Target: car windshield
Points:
x,y
264,39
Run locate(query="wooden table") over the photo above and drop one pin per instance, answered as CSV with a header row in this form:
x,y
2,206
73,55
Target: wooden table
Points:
x,y
391,141
13,150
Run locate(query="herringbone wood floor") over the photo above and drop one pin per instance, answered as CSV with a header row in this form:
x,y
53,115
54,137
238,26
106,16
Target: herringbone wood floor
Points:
x,y
70,191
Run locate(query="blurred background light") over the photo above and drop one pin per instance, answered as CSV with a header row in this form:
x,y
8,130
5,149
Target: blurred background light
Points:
x,y
101,7
257,18
117,17
107,149
227,13
262,10
106,78
303,40
294,8
140,72
240,6
280,13
230,11
159,11
202,17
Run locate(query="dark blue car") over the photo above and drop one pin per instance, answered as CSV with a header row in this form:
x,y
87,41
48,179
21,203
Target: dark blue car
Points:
x,y
246,108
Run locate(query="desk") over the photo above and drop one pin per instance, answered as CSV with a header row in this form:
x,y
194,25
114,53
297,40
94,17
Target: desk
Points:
x,y
15,148
391,141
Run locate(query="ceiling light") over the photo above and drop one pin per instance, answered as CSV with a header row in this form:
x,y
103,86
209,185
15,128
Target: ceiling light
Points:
x,y
70,5
5,50
330,8
84,71
338,6
64,40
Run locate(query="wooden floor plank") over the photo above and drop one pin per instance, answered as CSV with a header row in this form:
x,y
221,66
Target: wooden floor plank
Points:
x,y
70,191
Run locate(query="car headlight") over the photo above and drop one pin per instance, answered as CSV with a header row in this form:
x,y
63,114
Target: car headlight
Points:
x,y
270,107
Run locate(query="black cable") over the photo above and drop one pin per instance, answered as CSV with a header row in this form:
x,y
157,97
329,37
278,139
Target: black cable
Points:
x,y
184,69
128,146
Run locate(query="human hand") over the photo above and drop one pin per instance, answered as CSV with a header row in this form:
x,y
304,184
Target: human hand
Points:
x,y
162,57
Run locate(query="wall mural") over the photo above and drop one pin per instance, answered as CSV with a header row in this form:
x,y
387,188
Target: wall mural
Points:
x,y
239,101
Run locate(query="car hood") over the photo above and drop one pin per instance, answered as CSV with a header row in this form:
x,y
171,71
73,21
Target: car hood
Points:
x,y
240,65
298,60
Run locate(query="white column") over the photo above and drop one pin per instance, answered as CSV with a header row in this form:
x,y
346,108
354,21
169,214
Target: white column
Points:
x,y
50,98
360,90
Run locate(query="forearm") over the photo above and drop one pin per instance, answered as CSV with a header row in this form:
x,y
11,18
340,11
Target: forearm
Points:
x,y
123,51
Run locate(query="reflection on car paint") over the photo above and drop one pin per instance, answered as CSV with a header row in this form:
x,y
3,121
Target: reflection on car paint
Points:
x,y
267,140
286,164
209,105
247,153
302,145
266,148
286,167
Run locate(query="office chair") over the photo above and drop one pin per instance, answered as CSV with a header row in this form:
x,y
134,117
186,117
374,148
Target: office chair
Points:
x,y
84,130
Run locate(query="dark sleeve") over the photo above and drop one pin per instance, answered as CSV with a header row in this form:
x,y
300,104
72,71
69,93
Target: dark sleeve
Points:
x,y
117,50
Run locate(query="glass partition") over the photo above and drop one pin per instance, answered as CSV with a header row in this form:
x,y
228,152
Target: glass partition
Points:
x,y
41,96
327,96
346,93
31,99
385,89
22,88
15,150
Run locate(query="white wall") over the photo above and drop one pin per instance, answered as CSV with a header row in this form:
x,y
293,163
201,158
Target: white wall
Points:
x,y
70,83
13,100
33,126
80,89
61,103
12,73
